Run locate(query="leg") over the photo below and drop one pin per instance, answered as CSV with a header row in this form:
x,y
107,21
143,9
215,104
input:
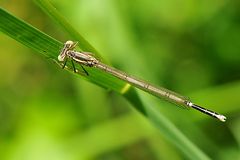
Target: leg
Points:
x,y
84,70
65,62
74,69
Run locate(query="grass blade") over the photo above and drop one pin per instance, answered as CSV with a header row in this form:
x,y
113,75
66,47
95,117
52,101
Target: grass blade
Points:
x,y
50,47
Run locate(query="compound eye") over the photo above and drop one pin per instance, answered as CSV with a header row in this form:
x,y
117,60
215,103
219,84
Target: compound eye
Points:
x,y
69,44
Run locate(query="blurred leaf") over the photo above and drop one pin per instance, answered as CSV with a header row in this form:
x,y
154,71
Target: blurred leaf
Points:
x,y
62,22
223,98
49,47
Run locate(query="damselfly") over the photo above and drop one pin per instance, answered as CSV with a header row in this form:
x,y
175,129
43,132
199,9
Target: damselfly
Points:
x,y
88,59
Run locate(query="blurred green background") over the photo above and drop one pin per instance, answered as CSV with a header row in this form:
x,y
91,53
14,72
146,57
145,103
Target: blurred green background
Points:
x,y
191,47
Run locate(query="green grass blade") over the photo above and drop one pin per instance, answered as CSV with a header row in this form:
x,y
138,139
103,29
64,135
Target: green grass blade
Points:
x,y
50,47
28,35
178,138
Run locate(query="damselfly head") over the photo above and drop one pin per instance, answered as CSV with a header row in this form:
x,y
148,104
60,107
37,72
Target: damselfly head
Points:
x,y
69,45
